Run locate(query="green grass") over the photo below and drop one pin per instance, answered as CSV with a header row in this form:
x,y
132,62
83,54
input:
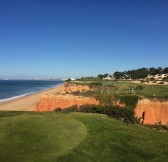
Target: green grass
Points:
x,y
125,88
111,140
41,137
30,137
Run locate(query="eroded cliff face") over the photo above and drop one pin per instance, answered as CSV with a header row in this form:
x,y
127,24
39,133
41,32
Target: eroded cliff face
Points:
x,y
52,102
152,112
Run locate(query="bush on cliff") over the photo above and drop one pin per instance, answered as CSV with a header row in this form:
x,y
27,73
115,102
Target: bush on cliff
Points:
x,y
128,100
125,114
73,108
158,126
108,99
94,84
90,109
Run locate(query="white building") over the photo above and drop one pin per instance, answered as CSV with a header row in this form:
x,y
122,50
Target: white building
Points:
x,y
157,76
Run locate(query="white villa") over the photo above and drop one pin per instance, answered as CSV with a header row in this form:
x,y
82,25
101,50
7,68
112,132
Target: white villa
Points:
x,y
108,78
157,76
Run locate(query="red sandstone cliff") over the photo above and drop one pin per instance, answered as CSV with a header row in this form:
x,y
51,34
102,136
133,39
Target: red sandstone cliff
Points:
x,y
51,102
152,112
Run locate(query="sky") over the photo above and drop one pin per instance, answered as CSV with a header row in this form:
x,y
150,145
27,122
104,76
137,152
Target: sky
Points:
x,y
74,38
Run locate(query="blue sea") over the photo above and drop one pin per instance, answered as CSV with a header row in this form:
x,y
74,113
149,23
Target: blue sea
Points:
x,y
11,89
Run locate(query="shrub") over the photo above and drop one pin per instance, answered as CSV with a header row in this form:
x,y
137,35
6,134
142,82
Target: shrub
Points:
x,y
161,83
76,93
68,80
73,108
125,114
108,84
58,109
139,88
129,101
90,109
69,109
104,98
94,84
166,97
157,127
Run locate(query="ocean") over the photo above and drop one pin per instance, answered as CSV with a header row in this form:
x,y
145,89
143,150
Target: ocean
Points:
x,y
11,89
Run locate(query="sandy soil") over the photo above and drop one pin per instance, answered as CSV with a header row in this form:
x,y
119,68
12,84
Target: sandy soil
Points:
x,y
150,83
27,103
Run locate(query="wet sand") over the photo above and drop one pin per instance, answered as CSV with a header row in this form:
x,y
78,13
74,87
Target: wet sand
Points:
x,y
27,103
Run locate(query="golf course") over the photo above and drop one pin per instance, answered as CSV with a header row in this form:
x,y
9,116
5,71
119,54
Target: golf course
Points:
x,y
56,136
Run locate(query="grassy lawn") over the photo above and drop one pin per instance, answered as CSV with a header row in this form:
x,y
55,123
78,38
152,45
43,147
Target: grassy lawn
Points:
x,y
29,137
126,87
38,137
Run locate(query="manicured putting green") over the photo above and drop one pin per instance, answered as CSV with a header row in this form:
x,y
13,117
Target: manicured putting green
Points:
x,y
59,137
38,137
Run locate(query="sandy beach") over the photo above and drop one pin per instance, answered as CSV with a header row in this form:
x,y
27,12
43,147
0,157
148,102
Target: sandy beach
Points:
x,y
27,103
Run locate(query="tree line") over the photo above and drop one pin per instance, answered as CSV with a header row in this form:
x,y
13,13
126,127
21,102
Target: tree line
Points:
x,y
139,73
132,74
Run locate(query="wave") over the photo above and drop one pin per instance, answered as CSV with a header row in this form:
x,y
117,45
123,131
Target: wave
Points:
x,y
26,94
15,97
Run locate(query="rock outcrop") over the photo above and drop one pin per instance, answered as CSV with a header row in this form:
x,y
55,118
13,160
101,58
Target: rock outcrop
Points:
x,y
52,102
152,112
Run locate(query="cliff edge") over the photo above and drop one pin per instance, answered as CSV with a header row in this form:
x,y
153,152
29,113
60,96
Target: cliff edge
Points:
x,y
52,102
152,112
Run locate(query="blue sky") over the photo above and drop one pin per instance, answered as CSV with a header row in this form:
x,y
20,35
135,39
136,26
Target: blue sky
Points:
x,y
64,38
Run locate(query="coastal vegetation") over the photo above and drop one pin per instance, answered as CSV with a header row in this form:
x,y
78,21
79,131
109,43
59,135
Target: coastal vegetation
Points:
x,y
55,136
123,88
140,73
88,132
118,99
125,114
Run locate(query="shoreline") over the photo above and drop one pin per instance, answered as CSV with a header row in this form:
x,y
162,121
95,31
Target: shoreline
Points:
x,y
26,94
27,102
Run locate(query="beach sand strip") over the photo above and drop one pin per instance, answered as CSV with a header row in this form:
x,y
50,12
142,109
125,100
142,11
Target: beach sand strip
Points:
x,y
27,103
